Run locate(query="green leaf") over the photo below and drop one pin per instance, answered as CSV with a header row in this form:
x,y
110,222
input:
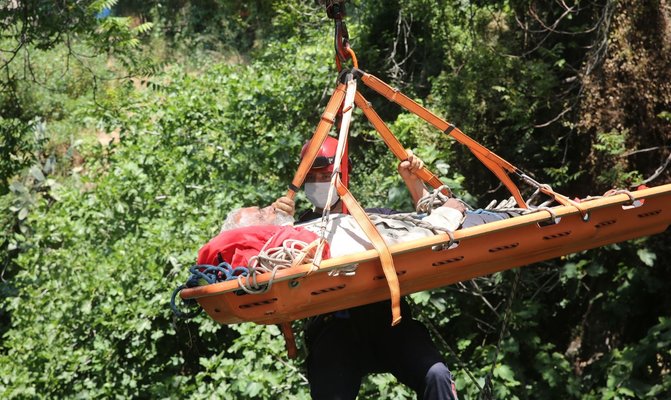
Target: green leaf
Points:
x,y
36,172
595,269
647,256
462,344
421,297
253,389
144,28
506,373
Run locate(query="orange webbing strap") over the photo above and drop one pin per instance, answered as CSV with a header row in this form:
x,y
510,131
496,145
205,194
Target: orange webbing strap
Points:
x,y
289,339
285,327
324,126
383,252
493,162
355,62
392,142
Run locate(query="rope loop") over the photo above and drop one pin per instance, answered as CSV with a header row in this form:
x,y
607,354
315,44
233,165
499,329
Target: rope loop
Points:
x,y
179,313
445,246
632,199
553,215
205,274
434,199
213,274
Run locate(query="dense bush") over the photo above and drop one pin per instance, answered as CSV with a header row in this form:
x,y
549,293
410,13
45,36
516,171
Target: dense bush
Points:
x,y
111,185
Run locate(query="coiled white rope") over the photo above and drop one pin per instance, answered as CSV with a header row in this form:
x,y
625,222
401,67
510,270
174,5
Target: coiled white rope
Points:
x,y
432,200
292,252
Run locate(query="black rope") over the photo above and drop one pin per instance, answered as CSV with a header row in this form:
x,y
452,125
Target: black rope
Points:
x,y
427,321
486,392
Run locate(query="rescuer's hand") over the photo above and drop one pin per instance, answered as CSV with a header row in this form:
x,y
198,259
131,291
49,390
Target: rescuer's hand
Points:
x,y
408,170
409,167
286,205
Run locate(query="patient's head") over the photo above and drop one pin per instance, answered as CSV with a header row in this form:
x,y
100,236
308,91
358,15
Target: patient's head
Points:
x,y
252,216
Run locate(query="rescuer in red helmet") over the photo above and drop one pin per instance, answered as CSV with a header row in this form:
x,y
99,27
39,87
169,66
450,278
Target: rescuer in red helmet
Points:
x,y
345,346
318,179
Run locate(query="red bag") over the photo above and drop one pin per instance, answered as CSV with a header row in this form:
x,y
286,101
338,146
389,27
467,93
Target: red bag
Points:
x,y
237,246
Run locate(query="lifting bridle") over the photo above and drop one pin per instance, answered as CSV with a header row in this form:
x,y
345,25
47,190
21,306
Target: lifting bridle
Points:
x,y
501,168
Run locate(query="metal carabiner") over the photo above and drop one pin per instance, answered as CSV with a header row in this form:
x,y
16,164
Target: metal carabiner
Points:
x,y
336,11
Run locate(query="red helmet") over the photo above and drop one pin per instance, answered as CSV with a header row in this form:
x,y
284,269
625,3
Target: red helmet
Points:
x,y
325,156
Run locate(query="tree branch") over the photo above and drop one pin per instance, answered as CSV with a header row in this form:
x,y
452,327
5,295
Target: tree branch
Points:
x,y
658,172
630,153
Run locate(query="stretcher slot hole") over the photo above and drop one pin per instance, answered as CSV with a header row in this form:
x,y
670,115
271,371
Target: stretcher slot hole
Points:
x,y
632,204
398,273
448,261
557,235
258,303
649,214
504,247
445,246
605,223
328,290
548,222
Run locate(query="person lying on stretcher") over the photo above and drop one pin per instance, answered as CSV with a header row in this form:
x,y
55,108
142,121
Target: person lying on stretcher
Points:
x,y
247,231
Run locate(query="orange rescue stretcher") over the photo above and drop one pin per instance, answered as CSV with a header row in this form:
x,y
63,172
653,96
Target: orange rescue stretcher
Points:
x,y
433,262
389,272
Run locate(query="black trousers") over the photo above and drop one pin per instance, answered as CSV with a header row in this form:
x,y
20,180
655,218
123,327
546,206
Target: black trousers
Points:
x,y
344,349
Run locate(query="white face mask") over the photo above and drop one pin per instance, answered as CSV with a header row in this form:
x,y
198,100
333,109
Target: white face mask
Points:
x,y
318,192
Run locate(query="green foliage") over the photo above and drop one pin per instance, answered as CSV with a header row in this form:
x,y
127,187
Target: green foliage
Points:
x,y
127,222
111,184
16,148
244,372
36,25
613,144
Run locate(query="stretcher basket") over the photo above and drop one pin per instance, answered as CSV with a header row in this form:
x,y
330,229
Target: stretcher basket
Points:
x,y
437,261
